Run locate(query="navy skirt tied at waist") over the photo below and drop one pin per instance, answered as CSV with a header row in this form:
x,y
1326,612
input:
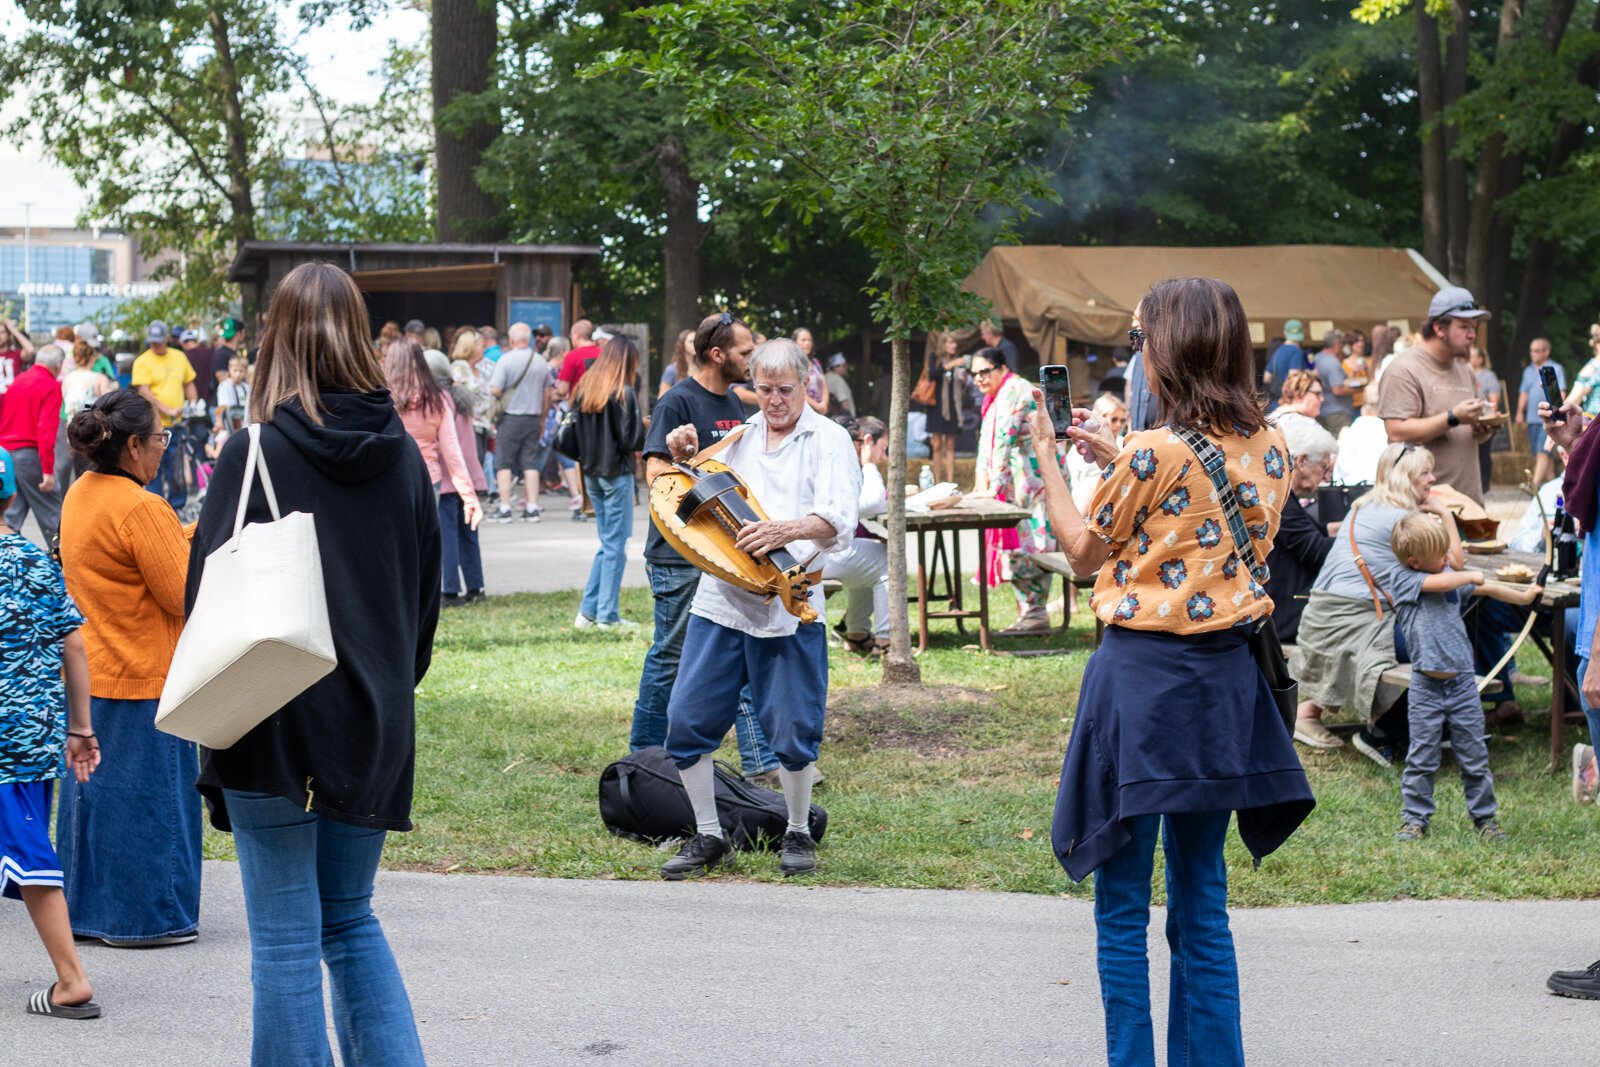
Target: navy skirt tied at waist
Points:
x,y
1175,724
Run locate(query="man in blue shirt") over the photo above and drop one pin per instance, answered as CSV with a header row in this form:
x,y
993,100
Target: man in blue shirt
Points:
x,y
1528,398
1289,356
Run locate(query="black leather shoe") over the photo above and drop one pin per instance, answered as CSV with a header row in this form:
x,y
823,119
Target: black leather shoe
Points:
x,y
798,855
699,856
1584,984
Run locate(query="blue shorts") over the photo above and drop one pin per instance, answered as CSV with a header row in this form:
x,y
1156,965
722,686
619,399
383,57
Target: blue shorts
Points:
x,y
788,679
26,855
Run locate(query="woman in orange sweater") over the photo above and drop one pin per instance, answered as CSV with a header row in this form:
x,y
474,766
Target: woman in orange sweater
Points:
x,y
129,839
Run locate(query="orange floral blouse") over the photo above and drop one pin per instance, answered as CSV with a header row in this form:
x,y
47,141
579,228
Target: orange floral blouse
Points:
x,y
1172,566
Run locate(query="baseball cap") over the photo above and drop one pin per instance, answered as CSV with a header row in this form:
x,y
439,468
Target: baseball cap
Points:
x,y
600,334
188,335
89,334
1456,303
8,475
230,329
414,326
1294,330
837,360
156,332
543,330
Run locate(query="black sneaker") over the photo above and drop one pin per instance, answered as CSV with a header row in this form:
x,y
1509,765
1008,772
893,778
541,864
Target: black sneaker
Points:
x,y
1582,985
798,855
1490,830
1379,748
451,600
699,856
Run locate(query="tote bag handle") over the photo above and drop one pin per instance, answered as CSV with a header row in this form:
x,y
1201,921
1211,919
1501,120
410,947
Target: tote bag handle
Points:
x,y
254,462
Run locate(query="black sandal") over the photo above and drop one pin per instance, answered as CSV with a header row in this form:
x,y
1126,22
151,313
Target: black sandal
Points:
x,y
41,1004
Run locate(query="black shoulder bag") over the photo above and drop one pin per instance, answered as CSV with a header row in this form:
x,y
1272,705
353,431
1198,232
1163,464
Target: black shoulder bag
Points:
x,y
1264,643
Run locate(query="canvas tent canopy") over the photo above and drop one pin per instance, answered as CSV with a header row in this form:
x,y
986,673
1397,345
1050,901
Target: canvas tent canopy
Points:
x,y
1087,294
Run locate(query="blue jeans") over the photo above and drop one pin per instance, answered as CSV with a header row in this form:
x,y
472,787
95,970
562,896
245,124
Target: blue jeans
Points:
x,y
459,557
129,838
1203,1028
308,897
673,586
169,481
613,515
1491,625
1592,714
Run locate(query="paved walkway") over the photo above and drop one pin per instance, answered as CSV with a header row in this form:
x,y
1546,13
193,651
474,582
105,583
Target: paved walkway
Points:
x,y
515,971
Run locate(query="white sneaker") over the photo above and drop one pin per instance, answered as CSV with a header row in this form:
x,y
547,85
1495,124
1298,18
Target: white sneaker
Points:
x,y
583,622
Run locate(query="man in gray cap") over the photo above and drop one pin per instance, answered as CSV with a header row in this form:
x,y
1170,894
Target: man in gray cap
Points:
x,y
841,399
1430,395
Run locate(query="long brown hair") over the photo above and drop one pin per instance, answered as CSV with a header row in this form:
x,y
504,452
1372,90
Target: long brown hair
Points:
x,y
682,353
1199,354
315,338
609,377
411,383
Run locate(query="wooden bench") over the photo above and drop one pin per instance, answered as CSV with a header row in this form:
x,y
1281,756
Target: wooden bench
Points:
x,y
1056,563
1399,676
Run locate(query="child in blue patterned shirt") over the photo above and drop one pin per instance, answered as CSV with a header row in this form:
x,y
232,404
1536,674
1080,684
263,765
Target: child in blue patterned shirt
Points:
x,y
38,636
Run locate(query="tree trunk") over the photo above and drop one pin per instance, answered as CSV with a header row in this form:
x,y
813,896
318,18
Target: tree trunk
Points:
x,y
680,244
1482,218
1533,300
899,666
1458,49
1430,102
240,200
463,42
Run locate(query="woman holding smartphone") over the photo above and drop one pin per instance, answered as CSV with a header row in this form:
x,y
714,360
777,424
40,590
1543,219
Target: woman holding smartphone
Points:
x,y
1176,728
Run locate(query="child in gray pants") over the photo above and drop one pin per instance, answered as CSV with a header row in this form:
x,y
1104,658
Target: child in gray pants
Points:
x,y
1444,691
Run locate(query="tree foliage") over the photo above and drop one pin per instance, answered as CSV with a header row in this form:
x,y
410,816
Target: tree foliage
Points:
x,y
901,119
170,114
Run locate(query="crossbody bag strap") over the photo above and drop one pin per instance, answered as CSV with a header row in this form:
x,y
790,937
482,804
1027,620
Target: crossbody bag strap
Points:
x,y
1215,464
1373,587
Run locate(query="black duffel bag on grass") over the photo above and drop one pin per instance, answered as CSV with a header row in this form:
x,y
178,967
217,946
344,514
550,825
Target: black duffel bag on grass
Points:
x,y
643,799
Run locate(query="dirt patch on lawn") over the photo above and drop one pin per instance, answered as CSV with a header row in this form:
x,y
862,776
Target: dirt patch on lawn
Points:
x,y
935,720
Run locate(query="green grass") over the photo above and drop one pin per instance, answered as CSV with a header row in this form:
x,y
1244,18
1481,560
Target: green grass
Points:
x,y
520,714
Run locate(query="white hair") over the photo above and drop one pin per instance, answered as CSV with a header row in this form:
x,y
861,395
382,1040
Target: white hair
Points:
x,y
1307,440
780,356
519,335
51,356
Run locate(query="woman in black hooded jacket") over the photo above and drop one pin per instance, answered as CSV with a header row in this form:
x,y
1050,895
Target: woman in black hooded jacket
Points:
x,y
310,793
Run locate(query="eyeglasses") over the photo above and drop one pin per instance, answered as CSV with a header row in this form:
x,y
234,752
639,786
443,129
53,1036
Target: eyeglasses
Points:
x,y
165,435
785,391
1136,340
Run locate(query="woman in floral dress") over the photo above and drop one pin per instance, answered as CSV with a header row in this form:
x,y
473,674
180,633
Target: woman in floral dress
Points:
x,y
1008,470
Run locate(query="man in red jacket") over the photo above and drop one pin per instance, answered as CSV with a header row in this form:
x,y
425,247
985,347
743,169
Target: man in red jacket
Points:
x,y
30,418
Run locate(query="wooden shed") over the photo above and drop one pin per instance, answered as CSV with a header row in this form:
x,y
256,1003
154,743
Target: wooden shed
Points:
x,y
444,285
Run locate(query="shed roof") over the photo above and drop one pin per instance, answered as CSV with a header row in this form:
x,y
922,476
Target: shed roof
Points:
x,y
246,262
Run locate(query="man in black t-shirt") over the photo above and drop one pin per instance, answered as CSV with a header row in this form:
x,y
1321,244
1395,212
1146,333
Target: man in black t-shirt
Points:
x,y
722,349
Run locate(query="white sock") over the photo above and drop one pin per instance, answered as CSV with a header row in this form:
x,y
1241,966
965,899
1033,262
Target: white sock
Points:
x,y
797,795
700,780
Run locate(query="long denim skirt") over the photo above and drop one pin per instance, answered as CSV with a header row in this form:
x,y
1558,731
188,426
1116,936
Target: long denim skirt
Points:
x,y
129,838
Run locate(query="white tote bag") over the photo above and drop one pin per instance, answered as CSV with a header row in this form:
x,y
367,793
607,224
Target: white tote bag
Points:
x,y
258,636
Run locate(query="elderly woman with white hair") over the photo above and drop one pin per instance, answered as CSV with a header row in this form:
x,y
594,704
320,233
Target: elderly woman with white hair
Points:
x,y
1346,637
1303,541
804,470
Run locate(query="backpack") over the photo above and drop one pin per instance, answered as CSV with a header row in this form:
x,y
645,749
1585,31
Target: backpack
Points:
x,y
643,799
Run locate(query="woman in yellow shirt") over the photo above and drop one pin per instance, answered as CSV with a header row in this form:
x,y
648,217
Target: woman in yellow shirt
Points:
x,y
1175,728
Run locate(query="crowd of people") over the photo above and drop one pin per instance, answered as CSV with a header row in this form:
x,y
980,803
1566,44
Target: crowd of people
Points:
x,y
1194,498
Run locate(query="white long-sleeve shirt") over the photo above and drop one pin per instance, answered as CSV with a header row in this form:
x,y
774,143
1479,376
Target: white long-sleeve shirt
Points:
x,y
814,471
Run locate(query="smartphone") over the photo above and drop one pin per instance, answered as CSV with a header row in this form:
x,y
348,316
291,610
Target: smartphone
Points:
x,y
1552,392
1057,389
